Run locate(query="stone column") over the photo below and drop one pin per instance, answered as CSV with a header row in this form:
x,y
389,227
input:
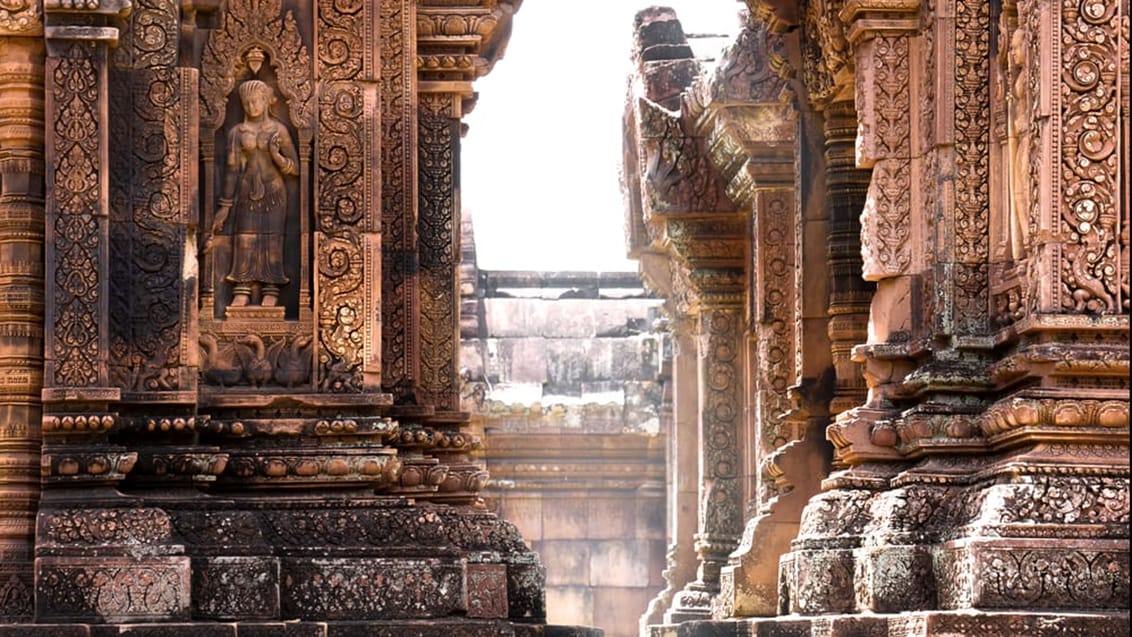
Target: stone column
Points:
x,y
682,463
849,295
750,580
816,576
721,400
21,301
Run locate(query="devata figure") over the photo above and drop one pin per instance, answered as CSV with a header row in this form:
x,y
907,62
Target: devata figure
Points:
x,y
260,154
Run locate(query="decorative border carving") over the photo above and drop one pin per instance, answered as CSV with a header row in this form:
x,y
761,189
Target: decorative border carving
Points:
x,y
399,344
438,248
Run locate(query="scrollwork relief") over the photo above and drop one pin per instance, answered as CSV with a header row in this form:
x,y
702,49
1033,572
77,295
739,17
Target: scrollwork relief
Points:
x,y
398,194
1089,164
438,147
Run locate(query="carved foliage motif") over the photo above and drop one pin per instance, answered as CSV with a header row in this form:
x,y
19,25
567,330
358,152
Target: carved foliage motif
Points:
x,y
487,590
883,99
77,174
1059,578
345,185
721,406
883,103
437,144
777,328
972,164
398,167
151,197
112,590
1067,500
1089,162
107,526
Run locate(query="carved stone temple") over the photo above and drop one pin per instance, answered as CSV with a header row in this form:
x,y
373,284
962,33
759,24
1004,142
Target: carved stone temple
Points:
x,y
893,239
229,252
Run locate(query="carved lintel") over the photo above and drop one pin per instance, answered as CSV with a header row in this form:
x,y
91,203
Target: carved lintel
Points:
x,y
78,33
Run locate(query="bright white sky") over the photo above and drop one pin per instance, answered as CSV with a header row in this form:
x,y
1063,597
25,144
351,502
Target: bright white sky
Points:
x,y
541,158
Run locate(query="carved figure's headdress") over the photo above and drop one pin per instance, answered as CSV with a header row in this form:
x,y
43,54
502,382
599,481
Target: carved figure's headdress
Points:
x,y
256,87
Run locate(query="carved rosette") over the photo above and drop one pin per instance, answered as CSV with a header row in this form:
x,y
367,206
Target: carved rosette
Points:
x,y
777,331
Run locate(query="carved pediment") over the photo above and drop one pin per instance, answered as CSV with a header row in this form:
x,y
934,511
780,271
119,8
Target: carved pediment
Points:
x,y
254,32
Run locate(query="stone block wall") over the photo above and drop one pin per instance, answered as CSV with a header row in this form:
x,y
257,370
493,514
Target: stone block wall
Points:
x,y
561,373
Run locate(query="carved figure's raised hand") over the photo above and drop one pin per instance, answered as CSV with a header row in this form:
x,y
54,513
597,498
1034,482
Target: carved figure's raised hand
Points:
x,y
286,166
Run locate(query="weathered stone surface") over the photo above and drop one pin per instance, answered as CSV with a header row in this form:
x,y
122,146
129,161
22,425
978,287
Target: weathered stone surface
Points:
x,y
236,587
371,588
112,589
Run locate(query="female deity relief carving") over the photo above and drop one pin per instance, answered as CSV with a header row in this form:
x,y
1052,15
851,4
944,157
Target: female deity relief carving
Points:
x,y
260,156
1019,140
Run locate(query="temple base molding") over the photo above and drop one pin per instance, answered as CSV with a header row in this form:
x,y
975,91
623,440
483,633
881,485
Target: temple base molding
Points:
x,y
918,624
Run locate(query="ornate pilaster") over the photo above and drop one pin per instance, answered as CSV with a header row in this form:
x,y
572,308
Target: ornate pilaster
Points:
x,y
21,299
77,377
347,259
74,575
399,315
721,381
456,44
438,246
77,341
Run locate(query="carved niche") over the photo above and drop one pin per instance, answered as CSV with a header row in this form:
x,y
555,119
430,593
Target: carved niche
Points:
x,y
256,140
